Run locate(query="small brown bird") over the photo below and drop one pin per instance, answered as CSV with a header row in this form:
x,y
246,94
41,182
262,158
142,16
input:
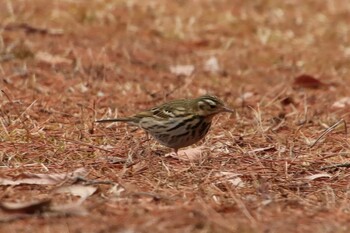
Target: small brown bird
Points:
x,y
177,123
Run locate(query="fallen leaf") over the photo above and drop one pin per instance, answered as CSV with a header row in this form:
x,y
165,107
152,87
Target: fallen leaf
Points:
x,y
258,150
116,190
179,70
212,65
82,87
307,81
287,100
26,207
100,94
13,217
44,179
51,59
342,103
244,97
72,209
34,29
18,211
229,177
190,154
247,95
318,176
82,191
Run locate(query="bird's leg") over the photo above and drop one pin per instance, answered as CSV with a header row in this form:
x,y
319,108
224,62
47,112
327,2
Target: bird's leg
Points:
x,y
147,138
175,151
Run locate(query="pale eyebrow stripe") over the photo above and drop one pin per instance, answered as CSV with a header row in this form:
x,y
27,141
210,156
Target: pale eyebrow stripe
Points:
x,y
210,102
181,109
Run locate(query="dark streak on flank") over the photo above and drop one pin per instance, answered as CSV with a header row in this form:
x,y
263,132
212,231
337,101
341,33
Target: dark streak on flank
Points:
x,y
194,132
156,127
182,123
204,128
192,127
162,136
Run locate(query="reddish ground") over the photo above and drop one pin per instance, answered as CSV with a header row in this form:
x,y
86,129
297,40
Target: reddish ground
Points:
x,y
283,66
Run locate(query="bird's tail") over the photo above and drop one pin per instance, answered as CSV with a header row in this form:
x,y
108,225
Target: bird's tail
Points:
x,y
129,120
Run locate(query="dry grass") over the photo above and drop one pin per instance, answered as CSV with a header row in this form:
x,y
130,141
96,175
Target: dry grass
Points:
x,y
66,63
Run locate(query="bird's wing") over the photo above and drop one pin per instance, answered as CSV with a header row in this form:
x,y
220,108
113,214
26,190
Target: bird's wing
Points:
x,y
171,110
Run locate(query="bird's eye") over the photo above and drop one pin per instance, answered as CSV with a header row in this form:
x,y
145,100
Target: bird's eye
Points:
x,y
201,105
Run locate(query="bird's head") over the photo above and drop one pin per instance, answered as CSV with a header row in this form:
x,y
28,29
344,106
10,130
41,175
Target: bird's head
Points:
x,y
208,106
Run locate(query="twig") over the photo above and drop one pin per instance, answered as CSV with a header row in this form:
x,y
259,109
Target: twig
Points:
x,y
85,144
327,131
336,166
27,109
243,208
17,112
93,182
261,149
4,127
32,29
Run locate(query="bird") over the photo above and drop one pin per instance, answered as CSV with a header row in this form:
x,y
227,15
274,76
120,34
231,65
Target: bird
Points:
x,y
177,123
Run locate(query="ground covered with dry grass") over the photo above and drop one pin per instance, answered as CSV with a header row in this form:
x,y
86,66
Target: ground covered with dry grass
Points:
x,y
278,164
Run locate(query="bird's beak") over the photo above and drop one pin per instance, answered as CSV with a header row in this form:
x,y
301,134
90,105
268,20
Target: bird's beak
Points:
x,y
227,109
